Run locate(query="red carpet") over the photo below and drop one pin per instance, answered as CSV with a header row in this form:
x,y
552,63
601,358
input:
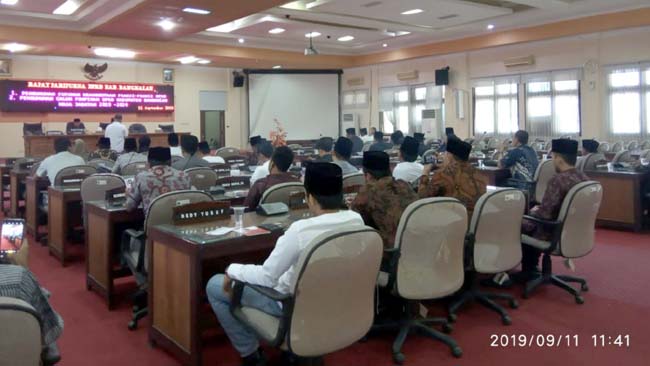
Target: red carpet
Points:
x,y
618,303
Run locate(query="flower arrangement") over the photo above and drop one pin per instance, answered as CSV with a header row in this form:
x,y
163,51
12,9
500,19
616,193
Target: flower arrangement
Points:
x,y
278,136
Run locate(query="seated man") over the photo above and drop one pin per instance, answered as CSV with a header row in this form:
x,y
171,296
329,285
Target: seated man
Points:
x,y
75,127
254,141
103,150
143,145
396,139
342,153
62,158
590,156
205,154
364,135
422,147
172,140
565,153
189,146
264,153
380,144
456,177
521,160
19,283
408,170
357,143
160,178
323,185
129,156
449,132
383,199
281,161
324,147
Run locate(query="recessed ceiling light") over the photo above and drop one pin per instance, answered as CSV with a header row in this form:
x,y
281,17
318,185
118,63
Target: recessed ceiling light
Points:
x,y
490,26
9,2
345,38
15,47
113,52
312,34
385,45
204,62
276,30
412,11
277,66
68,7
166,24
196,11
188,60
241,40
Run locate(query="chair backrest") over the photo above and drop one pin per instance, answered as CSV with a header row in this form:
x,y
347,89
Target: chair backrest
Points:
x,y
202,178
236,160
20,339
354,179
578,216
496,228
645,145
94,187
166,128
618,146
281,192
632,145
73,171
604,147
622,156
353,254
137,128
548,146
161,209
101,163
134,168
645,154
30,129
225,152
427,155
430,237
493,143
232,182
545,171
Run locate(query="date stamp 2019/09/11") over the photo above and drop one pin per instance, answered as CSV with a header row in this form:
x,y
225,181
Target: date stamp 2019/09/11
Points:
x,y
557,340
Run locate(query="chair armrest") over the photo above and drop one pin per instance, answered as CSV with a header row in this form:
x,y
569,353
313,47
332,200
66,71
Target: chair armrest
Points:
x,y
11,303
135,234
542,221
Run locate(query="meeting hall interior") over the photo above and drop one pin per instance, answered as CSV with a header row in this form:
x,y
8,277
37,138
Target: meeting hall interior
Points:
x,y
324,182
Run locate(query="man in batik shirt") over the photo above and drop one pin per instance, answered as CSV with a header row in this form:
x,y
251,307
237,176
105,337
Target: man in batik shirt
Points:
x,y
159,179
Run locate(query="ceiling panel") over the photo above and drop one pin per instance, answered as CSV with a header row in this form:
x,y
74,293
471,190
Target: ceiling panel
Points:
x,y
40,6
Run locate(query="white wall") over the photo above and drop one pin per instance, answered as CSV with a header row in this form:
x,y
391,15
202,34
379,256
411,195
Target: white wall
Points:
x,y
625,46
189,81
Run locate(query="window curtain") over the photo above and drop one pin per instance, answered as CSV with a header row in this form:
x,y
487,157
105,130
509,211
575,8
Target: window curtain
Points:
x,y
627,115
402,106
496,106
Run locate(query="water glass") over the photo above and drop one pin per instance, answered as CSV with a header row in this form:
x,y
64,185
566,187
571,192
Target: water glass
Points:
x,y
239,217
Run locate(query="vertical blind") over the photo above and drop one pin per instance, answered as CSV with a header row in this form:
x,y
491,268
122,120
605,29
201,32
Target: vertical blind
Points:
x,y
627,111
402,106
496,105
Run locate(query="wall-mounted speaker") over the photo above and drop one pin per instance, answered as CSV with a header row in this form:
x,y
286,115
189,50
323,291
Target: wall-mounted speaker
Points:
x,y
238,80
442,76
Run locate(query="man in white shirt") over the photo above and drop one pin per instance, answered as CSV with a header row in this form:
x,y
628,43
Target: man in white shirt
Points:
x,y
264,153
117,132
172,140
63,158
205,154
130,156
323,184
408,170
364,135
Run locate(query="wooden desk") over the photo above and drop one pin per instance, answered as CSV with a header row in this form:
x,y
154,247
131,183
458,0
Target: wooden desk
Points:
x,y
494,176
41,146
622,205
177,260
60,213
17,181
5,183
33,187
102,243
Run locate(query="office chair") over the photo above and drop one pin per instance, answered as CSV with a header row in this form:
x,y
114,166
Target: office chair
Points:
x,y
225,152
493,245
366,146
428,155
425,263
94,187
236,160
632,146
166,128
102,164
20,339
590,161
77,171
202,178
545,171
132,169
325,313
604,147
548,146
618,146
32,129
645,145
282,192
354,179
573,237
135,246
645,154
137,128
622,156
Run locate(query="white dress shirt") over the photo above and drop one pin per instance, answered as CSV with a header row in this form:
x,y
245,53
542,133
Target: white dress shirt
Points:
x,y
214,159
54,163
117,132
367,138
408,171
279,270
176,151
260,172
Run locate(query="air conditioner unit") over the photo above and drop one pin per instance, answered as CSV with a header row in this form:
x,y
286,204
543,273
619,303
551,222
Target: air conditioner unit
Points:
x,y
356,81
519,61
350,120
410,75
430,126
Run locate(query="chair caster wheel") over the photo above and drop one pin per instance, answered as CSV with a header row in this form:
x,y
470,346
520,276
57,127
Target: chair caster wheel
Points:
x,y
447,328
456,351
514,304
398,358
580,300
584,288
133,325
506,320
452,318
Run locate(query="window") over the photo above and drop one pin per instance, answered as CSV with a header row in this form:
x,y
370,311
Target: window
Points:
x,y
628,98
355,99
496,106
402,107
553,103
